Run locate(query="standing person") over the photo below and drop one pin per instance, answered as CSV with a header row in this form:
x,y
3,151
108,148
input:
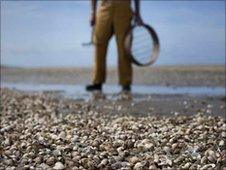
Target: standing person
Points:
x,y
113,17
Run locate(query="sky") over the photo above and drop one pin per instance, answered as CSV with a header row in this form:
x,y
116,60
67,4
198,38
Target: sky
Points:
x,y
50,33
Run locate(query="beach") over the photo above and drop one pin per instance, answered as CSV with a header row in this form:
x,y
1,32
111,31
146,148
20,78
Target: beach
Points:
x,y
48,130
158,75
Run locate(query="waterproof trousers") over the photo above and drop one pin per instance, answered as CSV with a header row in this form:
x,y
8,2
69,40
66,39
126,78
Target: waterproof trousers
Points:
x,y
113,18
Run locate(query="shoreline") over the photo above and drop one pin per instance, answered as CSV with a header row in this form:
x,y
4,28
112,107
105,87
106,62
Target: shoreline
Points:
x,y
209,76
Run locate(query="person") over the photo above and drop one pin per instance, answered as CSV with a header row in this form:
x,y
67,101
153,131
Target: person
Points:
x,y
113,17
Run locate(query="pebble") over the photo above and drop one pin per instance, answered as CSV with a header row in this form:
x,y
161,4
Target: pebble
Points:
x,y
153,167
44,166
186,166
221,143
208,166
174,146
57,152
58,166
176,113
7,142
103,163
60,134
11,168
38,160
120,165
141,165
74,139
8,162
50,161
134,159
167,149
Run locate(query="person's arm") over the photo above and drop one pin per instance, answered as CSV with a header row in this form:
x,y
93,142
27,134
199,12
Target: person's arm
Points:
x,y
93,12
138,18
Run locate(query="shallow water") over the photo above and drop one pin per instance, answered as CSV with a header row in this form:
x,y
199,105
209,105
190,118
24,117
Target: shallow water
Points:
x,y
78,91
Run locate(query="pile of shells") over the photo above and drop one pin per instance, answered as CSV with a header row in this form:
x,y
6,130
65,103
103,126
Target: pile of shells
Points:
x,y
38,131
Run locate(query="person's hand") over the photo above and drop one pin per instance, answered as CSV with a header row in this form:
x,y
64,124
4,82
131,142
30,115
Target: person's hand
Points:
x,y
138,19
93,19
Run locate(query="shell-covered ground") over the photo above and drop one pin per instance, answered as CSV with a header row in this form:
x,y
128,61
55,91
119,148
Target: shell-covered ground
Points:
x,y
38,131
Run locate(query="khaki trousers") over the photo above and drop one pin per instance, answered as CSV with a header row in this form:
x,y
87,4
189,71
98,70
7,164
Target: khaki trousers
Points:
x,y
113,17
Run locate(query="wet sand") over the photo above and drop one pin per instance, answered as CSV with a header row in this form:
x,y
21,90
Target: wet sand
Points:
x,y
208,76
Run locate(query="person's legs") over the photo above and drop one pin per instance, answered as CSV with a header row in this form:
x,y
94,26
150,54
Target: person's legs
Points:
x,y
102,34
99,68
122,23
